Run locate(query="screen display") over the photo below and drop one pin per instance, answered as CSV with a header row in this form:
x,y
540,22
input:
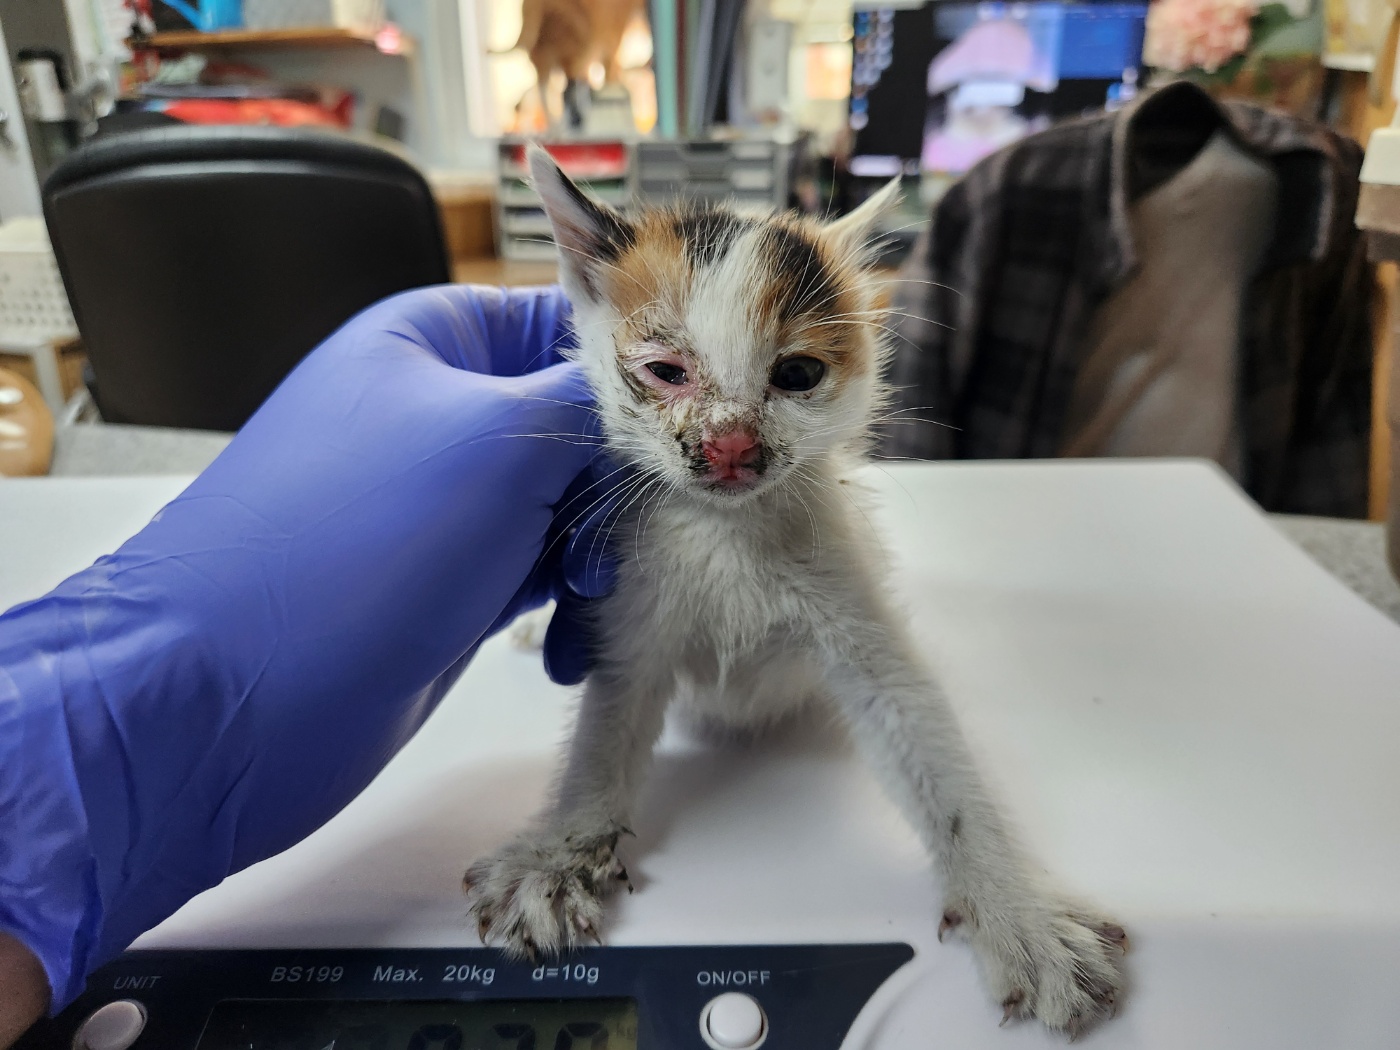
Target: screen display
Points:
x,y
987,73
574,1024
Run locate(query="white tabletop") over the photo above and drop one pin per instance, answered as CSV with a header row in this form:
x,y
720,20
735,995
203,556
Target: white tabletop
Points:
x,y
1193,724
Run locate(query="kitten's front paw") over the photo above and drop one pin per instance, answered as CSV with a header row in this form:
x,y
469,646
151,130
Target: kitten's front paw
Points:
x,y
1050,960
543,892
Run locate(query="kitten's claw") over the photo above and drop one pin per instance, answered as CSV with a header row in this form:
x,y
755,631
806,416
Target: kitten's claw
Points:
x,y
1114,935
590,931
542,894
1010,1006
950,920
619,871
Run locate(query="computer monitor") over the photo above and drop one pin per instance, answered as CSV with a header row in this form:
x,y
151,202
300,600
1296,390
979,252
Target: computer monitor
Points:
x,y
938,86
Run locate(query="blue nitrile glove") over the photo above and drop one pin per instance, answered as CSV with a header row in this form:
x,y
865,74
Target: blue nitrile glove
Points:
x,y
238,671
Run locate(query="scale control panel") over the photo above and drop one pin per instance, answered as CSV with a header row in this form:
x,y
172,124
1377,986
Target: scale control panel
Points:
x,y
783,997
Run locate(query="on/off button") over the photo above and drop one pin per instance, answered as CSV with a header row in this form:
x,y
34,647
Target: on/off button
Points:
x,y
733,1021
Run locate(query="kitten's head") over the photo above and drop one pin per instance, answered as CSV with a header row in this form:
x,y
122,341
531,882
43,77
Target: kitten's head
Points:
x,y
726,350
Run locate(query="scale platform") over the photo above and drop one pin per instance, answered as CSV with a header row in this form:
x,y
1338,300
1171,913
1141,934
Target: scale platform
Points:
x,y
1193,725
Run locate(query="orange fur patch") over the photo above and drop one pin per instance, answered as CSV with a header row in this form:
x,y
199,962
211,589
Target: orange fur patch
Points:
x,y
652,272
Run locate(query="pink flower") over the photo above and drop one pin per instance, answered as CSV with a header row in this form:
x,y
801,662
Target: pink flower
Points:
x,y
1197,34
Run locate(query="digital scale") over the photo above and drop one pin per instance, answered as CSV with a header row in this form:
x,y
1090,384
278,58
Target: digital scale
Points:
x,y
1192,724
453,999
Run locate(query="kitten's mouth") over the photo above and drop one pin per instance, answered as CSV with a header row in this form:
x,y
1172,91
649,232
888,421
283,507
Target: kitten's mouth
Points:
x,y
736,480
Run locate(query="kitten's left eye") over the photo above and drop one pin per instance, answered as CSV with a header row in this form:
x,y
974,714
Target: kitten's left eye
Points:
x,y
797,374
667,373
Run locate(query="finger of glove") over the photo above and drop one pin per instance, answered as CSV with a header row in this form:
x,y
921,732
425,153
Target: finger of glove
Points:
x,y
542,585
590,511
568,643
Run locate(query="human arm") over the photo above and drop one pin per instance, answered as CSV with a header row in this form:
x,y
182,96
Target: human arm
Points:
x,y
238,671
24,990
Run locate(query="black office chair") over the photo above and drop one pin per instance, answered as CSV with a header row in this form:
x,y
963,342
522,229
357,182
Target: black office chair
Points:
x,y
203,263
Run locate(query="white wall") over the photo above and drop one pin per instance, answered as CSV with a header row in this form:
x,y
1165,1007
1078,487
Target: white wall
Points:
x,y
446,138
19,188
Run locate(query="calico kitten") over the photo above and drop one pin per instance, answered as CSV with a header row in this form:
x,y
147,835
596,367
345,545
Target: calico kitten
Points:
x,y
736,362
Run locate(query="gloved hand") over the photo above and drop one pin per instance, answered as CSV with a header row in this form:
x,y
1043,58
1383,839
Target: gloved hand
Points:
x,y
238,671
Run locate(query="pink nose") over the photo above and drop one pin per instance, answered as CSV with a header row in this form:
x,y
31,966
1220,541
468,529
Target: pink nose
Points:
x,y
727,453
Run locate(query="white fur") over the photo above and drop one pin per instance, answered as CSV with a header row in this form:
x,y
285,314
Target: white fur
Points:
x,y
528,631
748,608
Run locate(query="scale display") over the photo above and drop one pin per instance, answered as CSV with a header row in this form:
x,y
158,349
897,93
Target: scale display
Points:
x,y
558,1024
614,998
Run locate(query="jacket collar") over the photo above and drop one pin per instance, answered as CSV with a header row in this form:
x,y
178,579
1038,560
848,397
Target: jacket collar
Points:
x,y
1165,121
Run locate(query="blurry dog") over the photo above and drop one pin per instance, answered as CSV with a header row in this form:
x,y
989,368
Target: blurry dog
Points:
x,y
569,36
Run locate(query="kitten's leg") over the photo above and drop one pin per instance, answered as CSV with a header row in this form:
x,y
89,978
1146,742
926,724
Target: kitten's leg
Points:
x,y
1043,954
543,892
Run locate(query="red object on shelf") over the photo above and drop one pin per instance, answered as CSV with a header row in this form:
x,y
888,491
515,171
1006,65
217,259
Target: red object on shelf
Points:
x,y
278,111
583,160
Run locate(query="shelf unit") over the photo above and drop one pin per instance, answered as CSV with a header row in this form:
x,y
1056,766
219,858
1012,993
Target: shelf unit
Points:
x,y
309,38
752,172
382,68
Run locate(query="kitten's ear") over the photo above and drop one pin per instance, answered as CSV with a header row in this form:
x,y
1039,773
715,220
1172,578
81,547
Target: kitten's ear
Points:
x,y
850,234
585,231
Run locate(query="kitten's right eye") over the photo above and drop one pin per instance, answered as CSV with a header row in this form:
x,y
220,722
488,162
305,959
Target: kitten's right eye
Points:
x,y
667,373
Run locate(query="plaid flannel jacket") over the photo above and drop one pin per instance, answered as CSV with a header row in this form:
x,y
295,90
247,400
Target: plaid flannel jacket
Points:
x,y
998,294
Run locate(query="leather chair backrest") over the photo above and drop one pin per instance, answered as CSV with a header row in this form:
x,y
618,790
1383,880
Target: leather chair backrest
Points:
x,y
203,263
